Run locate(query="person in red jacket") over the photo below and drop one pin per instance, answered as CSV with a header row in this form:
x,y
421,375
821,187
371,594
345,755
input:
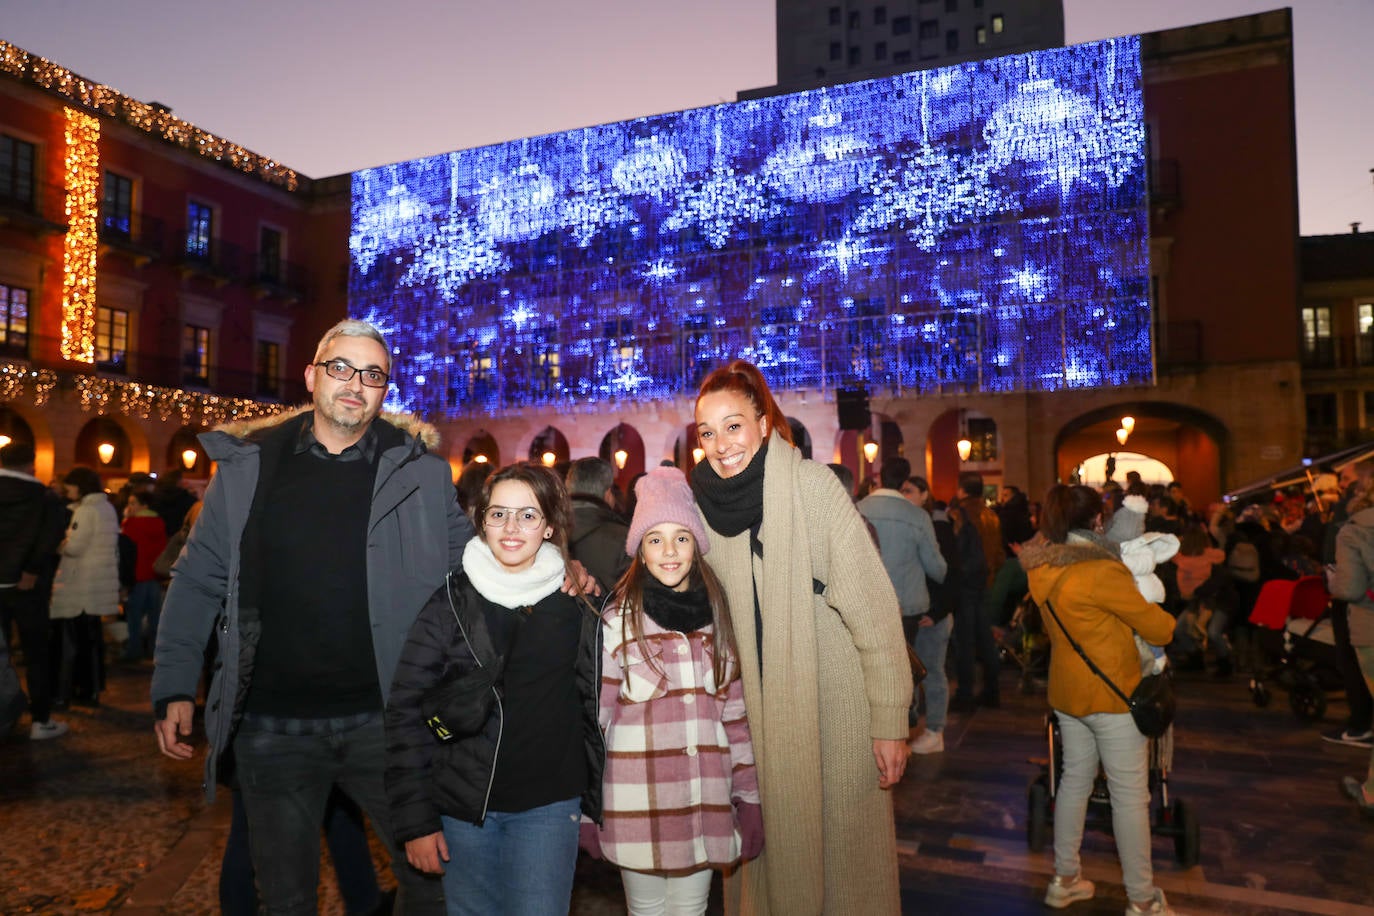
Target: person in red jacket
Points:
x,y
141,609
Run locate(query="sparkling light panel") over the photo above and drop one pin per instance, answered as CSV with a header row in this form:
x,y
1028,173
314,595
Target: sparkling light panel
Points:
x,y
981,227
79,247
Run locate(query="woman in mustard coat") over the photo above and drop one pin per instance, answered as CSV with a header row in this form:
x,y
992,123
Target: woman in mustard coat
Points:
x,y
1080,573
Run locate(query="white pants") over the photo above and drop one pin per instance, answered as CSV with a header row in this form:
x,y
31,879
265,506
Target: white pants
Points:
x,y
656,895
1113,739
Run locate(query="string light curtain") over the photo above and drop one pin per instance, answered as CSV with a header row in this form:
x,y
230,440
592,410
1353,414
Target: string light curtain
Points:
x,y
82,180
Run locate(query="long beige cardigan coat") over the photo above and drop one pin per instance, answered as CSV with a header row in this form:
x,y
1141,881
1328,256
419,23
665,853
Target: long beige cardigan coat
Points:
x,y
835,676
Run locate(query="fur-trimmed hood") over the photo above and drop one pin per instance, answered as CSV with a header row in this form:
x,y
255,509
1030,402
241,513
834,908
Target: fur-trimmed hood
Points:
x,y
1040,551
251,429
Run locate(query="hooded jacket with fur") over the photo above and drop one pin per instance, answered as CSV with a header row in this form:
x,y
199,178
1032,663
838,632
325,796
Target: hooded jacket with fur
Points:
x,y
416,533
1097,601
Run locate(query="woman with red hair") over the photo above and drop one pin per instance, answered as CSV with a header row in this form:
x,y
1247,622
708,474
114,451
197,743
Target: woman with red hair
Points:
x,y
826,679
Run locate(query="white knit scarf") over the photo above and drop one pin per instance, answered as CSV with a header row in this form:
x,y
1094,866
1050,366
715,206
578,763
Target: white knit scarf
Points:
x,y
499,585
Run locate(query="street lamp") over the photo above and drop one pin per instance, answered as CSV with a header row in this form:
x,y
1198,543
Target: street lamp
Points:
x,y
621,456
698,453
106,452
870,451
1122,435
1128,424
548,458
188,458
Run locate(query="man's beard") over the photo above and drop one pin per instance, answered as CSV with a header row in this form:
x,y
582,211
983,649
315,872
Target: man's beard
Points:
x,y
349,421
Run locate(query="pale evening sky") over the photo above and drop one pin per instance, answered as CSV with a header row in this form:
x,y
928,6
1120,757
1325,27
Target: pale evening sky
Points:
x,y
331,87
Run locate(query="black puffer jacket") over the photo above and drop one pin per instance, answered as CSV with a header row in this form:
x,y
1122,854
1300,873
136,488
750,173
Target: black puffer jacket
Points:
x,y
31,526
424,778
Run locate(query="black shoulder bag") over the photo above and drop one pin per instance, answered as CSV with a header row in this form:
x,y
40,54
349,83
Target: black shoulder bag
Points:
x,y
1151,703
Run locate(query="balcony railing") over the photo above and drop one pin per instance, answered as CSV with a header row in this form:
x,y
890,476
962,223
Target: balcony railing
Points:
x,y
278,277
215,258
165,370
137,234
1179,346
1346,352
1165,188
38,206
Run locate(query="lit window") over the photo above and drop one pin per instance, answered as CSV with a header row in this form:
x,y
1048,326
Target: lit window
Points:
x,y
980,35
195,356
14,321
112,339
200,229
997,23
117,207
1366,317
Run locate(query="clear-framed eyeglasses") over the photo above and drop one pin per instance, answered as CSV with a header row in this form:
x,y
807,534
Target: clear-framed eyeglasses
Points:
x,y
342,371
526,519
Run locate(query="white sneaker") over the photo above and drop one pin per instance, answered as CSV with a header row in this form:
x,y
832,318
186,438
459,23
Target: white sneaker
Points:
x,y
41,731
1158,907
928,742
1061,893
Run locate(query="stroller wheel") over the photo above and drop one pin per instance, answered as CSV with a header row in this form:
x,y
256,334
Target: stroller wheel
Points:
x,y
1259,693
1187,839
1308,700
1037,815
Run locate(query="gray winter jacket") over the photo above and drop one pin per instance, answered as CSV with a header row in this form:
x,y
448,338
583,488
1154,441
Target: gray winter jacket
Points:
x,y
1353,579
906,540
416,533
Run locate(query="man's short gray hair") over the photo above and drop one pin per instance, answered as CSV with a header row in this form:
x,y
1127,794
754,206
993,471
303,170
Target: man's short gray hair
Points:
x,y
353,327
590,476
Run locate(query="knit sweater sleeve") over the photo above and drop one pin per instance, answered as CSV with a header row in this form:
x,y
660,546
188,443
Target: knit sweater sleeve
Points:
x,y
858,588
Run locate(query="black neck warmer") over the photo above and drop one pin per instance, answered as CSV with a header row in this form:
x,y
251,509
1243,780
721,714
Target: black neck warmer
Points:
x,y
731,504
683,612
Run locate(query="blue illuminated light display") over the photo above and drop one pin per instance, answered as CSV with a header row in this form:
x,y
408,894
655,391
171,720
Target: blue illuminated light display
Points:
x,y
975,228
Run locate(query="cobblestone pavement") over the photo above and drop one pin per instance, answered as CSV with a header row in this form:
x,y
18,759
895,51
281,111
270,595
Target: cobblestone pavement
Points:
x,y
98,822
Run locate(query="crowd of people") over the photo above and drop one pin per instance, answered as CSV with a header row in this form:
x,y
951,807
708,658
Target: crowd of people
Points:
x,y
707,672
71,557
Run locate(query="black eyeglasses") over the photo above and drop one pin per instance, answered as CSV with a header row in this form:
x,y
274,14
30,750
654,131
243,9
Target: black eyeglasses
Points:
x,y
340,369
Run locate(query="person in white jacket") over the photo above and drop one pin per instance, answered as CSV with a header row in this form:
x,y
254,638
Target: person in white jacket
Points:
x,y
87,583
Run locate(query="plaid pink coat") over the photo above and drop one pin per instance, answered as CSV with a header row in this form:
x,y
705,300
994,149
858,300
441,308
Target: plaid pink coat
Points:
x,y
677,755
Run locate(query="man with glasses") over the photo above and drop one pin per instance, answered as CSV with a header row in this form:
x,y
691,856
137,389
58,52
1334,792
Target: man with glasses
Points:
x,y
323,533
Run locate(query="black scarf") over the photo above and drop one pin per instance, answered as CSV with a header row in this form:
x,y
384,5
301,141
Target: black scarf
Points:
x,y
731,504
683,612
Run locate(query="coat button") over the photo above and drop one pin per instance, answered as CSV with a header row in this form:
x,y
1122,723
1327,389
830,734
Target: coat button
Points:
x,y
691,752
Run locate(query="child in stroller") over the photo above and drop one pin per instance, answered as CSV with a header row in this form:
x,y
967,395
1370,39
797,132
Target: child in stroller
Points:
x,y
1293,621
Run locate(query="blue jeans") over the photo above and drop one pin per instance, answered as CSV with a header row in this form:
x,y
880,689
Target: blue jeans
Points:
x,y
286,770
931,645
141,612
517,863
1113,739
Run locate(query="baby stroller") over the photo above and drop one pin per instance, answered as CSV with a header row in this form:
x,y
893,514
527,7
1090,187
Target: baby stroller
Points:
x,y
1294,634
1025,642
1172,818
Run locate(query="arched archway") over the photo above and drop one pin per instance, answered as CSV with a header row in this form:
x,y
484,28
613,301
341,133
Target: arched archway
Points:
x,y
183,445
482,448
623,447
14,428
103,444
1190,441
550,447
942,459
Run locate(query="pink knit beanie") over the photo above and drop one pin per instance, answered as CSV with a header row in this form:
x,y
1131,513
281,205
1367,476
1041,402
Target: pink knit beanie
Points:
x,y
663,495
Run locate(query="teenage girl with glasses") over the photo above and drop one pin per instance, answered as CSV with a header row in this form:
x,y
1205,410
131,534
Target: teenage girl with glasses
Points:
x,y
493,750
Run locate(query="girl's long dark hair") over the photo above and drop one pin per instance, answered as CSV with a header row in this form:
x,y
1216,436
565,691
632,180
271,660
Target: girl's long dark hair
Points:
x,y
552,497
628,595
1067,508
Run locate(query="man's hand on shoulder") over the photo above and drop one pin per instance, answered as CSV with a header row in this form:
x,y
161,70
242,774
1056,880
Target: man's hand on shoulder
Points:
x,y
176,726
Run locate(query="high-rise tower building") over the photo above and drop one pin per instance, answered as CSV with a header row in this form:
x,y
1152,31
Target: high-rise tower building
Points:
x,y
821,42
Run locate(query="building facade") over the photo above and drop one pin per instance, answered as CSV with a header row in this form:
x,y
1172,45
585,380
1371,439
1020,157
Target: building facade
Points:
x,y
1337,343
155,280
